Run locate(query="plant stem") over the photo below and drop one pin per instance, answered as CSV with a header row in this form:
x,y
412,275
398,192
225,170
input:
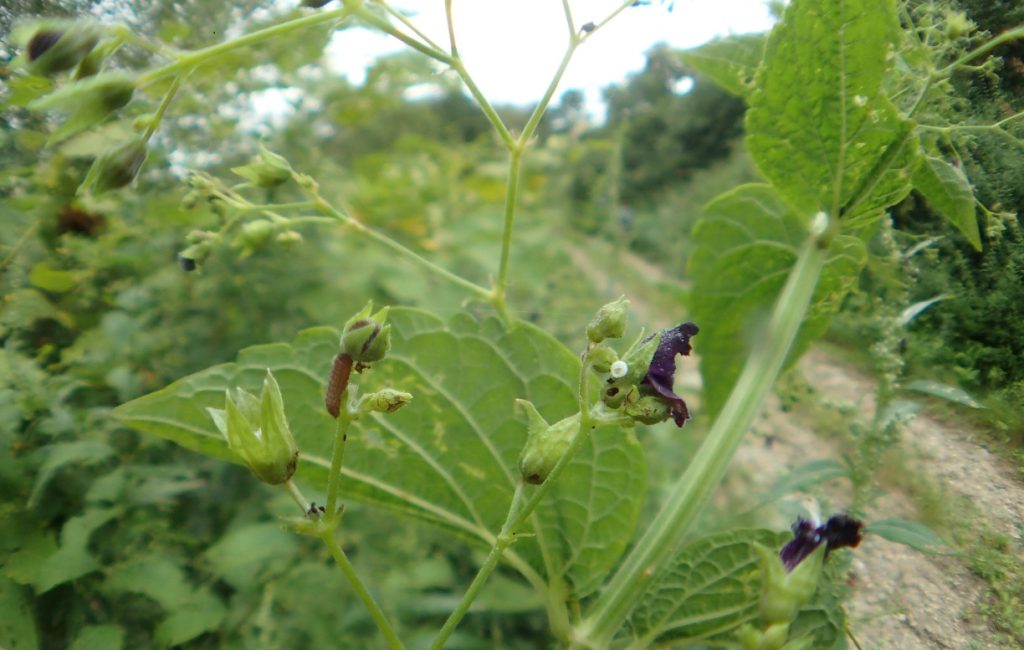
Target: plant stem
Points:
x,y
296,494
199,57
499,296
164,103
1006,36
451,28
473,288
693,489
329,539
502,542
344,420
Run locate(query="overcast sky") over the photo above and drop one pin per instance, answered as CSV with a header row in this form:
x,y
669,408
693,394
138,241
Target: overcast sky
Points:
x,y
512,47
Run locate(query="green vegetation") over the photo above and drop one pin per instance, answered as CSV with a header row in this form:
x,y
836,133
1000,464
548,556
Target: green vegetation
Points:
x,y
160,253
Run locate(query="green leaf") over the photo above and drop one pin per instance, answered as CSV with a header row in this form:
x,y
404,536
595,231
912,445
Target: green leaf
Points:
x,y
45,277
79,452
819,127
89,102
807,475
17,620
915,310
909,533
744,248
947,189
943,391
23,565
450,456
99,637
246,555
73,559
202,614
729,61
712,588
153,576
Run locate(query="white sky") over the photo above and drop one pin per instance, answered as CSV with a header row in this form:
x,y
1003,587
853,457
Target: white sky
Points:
x,y
512,47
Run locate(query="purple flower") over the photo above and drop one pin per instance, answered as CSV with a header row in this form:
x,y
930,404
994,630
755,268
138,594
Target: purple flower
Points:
x,y
839,531
661,373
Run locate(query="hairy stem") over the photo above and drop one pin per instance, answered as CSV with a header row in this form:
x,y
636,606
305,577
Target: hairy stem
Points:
x,y
338,457
502,542
329,539
199,57
693,489
409,254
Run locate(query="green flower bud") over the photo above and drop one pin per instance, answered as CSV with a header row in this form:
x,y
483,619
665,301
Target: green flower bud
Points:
x,y
803,643
117,167
288,238
267,169
89,102
387,400
254,234
57,46
602,357
784,594
637,361
774,637
609,322
749,637
545,444
257,431
367,338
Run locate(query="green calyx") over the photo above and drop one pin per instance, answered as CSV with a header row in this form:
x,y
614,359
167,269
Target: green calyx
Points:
x,y
610,321
56,46
602,357
545,443
117,167
367,338
257,432
266,169
618,390
784,594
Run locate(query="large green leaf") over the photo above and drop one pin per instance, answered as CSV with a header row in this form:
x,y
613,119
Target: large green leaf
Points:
x,y
450,457
713,588
17,622
729,61
819,127
949,192
744,247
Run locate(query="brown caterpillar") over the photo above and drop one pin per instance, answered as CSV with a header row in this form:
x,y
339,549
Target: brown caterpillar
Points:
x,y
338,382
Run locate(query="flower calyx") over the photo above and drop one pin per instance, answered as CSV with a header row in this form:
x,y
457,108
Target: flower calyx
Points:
x,y
366,338
257,431
545,443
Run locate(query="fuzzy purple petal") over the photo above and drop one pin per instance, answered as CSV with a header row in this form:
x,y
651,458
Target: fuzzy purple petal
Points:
x,y
805,539
661,373
839,531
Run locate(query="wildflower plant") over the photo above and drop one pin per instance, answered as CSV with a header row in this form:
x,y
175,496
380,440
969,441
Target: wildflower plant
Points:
x,y
415,414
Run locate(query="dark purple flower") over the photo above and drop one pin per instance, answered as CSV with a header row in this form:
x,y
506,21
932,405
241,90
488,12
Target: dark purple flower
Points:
x,y
839,531
661,373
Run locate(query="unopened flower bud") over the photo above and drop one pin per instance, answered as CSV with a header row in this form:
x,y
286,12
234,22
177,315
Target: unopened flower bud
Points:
x,y
266,170
118,167
257,431
254,234
545,444
59,45
367,338
610,321
387,400
602,357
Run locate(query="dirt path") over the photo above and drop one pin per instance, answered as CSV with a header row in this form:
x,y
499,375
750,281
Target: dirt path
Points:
x,y
901,599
